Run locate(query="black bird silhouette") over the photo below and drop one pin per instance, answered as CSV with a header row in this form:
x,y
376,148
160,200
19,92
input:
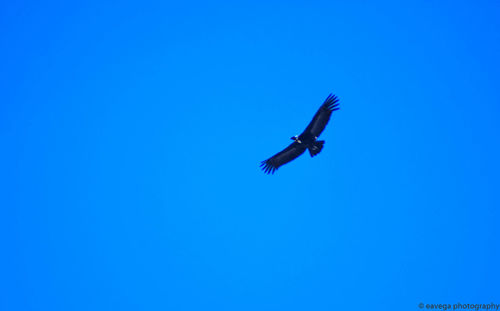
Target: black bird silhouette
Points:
x,y
306,140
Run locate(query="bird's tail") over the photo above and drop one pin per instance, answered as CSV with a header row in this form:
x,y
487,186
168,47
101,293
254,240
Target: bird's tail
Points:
x,y
316,147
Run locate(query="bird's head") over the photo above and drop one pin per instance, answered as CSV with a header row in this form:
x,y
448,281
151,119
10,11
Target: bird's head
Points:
x,y
296,139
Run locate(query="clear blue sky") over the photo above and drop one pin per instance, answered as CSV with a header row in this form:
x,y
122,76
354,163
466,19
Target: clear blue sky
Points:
x,y
131,135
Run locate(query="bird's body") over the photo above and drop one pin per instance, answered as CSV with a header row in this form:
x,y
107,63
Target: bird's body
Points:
x,y
308,140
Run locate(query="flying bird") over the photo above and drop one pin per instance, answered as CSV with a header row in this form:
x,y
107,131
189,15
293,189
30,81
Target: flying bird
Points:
x,y
307,140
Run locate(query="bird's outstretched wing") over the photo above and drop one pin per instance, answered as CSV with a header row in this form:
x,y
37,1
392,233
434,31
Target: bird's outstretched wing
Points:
x,y
288,154
322,117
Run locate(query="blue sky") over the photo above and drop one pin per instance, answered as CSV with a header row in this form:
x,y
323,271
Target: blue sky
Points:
x,y
132,134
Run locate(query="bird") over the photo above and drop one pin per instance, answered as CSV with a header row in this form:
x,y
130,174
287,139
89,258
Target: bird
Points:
x,y
307,140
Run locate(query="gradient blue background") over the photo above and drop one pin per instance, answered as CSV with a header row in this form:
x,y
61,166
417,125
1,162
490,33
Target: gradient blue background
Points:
x,y
131,134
